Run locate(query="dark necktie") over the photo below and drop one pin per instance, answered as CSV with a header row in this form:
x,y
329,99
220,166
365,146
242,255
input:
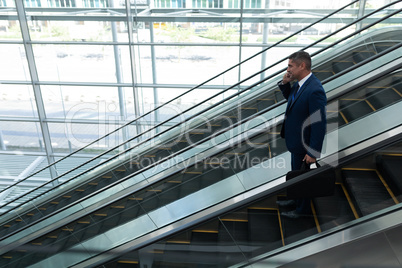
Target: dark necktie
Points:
x,y
295,93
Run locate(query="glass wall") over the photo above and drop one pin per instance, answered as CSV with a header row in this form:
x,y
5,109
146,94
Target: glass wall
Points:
x,y
72,71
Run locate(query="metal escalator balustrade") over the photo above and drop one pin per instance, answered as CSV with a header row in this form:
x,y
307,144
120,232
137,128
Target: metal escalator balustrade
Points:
x,y
198,176
247,234
249,109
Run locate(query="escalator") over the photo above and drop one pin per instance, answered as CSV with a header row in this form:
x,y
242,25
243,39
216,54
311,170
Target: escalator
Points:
x,y
177,195
367,188
262,98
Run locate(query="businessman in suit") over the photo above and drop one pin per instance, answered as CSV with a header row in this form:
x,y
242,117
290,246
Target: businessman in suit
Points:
x,y
305,120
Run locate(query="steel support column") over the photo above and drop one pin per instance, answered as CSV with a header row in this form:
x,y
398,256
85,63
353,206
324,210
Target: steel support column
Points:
x,y
132,60
154,74
265,34
35,85
117,62
362,7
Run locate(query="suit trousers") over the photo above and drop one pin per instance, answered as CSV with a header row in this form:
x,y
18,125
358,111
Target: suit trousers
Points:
x,y
302,204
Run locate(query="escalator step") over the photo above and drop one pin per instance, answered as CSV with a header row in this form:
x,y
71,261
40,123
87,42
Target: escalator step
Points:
x,y
334,120
264,230
125,264
238,162
236,230
233,240
338,66
264,103
390,166
397,85
194,137
151,202
179,144
204,237
260,152
278,96
132,210
147,160
354,109
297,229
190,184
366,190
225,120
381,97
169,195
359,56
323,74
382,46
333,210
211,175
210,128
162,153
277,146
264,226
247,112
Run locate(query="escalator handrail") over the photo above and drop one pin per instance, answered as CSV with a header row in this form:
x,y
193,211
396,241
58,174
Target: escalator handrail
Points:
x,y
164,104
187,119
299,178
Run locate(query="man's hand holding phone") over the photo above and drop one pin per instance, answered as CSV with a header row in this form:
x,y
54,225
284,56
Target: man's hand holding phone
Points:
x,y
287,77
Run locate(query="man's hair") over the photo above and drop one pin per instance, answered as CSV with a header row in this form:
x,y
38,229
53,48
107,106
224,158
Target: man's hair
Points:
x,y
301,56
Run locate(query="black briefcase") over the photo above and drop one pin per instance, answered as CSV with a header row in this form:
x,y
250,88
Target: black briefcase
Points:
x,y
317,185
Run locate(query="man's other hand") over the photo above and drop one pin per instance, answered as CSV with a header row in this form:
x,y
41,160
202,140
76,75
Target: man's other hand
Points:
x,y
309,160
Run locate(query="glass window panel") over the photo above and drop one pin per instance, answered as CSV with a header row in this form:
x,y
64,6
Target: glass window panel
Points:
x,y
17,101
32,3
10,30
129,102
373,4
81,102
193,65
7,3
262,61
196,32
149,100
19,164
236,3
72,136
143,63
77,63
142,31
24,136
90,31
13,64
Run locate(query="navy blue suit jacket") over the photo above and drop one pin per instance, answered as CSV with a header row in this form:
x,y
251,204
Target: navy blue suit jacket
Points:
x,y
305,118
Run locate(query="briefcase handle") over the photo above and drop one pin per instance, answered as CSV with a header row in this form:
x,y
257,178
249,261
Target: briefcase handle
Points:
x,y
304,165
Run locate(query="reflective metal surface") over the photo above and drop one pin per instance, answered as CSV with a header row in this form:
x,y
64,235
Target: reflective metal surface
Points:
x,y
375,243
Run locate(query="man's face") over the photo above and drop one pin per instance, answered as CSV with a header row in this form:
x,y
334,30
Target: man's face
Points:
x,y
294,70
